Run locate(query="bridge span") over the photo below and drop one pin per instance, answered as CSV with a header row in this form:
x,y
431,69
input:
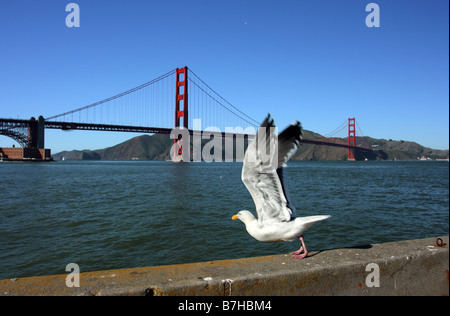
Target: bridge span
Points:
x,y
149,108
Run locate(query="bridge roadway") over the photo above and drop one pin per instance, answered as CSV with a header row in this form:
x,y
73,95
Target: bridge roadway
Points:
x,y
151,130
159,130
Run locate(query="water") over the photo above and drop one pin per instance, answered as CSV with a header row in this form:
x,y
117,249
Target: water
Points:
x,y
112,215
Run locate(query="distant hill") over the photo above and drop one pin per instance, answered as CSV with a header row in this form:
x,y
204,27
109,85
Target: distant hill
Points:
x,y
403,150
145,147
157,147
383,150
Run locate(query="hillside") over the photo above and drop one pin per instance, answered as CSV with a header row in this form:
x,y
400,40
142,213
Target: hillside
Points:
x,y
145,147
403,150
157,147
383,150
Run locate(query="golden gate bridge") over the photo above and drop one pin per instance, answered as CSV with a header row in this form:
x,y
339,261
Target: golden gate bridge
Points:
x,y
172,100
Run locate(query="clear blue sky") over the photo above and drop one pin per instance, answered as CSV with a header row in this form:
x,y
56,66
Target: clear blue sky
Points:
x,y
315,61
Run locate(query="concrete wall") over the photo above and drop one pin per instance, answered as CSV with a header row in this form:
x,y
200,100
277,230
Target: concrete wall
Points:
x,y
414,267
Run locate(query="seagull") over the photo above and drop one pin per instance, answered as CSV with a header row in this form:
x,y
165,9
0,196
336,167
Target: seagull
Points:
x,y
263,174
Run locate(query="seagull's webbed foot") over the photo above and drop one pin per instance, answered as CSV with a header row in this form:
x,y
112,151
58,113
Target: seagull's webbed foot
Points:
x,y
298,254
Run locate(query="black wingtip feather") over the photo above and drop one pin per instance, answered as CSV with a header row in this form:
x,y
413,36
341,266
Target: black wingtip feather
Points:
x,y
293,132
268,121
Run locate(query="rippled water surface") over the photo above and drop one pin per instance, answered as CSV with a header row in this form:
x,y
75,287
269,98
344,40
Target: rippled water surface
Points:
x,y
111,215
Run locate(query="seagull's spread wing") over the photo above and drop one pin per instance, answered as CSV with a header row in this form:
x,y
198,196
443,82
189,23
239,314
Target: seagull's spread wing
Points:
x,y
262,171
288,143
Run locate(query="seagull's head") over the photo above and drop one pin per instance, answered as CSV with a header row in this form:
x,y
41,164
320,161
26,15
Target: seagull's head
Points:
x,y
244,216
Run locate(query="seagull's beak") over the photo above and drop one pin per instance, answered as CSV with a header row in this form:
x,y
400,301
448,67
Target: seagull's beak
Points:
x,y
234,217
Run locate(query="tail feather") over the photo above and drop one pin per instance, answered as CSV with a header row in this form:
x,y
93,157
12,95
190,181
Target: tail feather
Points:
x,y
310,220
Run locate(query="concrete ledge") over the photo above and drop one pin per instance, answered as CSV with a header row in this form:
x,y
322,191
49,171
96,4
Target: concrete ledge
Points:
x,y
413,267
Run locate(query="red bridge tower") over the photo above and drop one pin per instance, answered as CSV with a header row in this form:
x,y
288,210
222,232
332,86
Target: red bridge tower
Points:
x,y
181,105
351,138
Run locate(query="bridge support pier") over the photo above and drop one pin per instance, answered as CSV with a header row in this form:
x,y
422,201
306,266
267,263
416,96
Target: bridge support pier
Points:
x,y
36,132
41,132
31,136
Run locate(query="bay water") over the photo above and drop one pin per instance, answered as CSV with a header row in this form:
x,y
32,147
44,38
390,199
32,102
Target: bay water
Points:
x,y
107,215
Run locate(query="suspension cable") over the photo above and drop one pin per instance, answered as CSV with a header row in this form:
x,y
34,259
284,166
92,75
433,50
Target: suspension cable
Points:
x,y
223,105
360,130
256,122
116,96
338,129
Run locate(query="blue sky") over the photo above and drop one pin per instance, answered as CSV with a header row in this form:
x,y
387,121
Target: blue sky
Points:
x,y
315,61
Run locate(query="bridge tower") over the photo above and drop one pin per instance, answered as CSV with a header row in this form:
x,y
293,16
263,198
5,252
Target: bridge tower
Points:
x,y
351,139
36,130
181,105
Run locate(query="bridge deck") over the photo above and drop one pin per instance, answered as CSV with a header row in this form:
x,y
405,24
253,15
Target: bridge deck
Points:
x,y
18,123
158,130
